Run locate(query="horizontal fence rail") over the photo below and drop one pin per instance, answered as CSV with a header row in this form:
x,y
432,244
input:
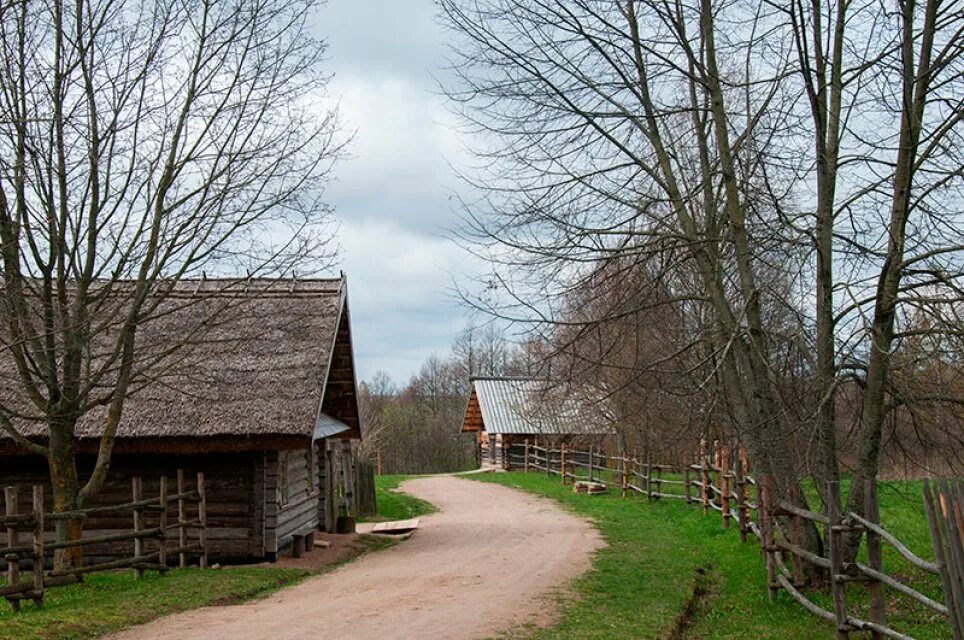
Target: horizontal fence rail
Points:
x,y
720,481
29,542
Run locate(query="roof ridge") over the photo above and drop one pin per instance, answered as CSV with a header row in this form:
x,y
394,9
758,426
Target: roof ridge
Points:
x,y
508,379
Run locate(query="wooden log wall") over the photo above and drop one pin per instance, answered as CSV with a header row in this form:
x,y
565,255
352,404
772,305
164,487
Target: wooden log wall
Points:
x,y
326,487
231,507
296,513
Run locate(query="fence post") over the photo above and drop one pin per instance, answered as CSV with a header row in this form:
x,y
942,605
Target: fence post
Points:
x,y
162,524
838,587
687,487
705,477
744,492
548,459
764,515
874,558
38,545
649,477
202,516
570,464
525,463
13,540
795,540
657,471
604,469
625,474
725,484
181,521
137,496
562,461
944,503
715,470
739,480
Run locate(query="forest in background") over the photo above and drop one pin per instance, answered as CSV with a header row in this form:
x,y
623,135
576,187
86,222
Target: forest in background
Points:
x,y
414,426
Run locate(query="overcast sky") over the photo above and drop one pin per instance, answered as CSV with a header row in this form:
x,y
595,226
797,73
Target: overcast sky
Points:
x,y
392,197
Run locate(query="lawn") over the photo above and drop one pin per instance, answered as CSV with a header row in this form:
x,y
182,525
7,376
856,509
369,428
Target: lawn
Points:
x,y
107,602
642,585
394,505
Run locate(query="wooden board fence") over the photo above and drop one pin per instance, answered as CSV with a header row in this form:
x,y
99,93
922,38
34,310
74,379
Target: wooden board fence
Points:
x,y
944,502
21,524
720,481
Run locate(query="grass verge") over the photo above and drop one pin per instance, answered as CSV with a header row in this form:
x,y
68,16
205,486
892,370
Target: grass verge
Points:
x,y
108,602
395,505
671,572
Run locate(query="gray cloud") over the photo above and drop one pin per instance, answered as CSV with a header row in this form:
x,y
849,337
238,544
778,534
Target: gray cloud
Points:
x,y
391,38
393,196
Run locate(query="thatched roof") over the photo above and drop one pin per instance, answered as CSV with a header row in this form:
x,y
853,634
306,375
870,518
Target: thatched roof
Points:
x,y
262,358
524,406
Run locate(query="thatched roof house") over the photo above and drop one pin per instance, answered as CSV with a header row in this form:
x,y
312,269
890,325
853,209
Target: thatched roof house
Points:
x,y
244,380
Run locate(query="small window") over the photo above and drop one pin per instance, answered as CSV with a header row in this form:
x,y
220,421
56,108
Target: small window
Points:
x,y
284,486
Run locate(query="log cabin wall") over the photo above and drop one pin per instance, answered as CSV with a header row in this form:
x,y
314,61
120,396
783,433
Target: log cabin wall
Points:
x,y
291,491
326,487
234,529
336,476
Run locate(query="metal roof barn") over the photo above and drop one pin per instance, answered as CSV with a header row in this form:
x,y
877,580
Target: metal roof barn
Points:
x,y
525,406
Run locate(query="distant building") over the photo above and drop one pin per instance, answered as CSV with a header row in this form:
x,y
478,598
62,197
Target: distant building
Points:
x,y
505,412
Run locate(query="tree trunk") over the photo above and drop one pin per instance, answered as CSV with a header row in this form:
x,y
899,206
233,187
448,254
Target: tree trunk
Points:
x,y
768,437
873,411
66,489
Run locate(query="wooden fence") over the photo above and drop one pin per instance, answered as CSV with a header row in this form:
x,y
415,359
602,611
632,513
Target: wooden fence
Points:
x,y
29,543
365,505
720,481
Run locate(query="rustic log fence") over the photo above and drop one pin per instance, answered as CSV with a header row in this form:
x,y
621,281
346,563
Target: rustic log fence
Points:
x,y
720,481
29,543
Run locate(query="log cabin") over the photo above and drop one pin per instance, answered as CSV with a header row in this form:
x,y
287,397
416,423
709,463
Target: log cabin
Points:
x,y
505,412
260,396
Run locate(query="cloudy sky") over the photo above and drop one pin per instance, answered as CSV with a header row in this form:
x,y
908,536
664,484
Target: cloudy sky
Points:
x,y
393,196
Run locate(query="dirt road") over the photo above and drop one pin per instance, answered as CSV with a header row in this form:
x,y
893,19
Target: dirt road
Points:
x,y
484,563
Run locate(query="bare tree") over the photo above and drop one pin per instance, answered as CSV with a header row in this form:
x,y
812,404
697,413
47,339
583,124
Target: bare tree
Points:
x,y
613,139
741,153
141,143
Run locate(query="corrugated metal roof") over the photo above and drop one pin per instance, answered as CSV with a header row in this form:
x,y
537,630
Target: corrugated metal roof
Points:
x,y
327,426
526,406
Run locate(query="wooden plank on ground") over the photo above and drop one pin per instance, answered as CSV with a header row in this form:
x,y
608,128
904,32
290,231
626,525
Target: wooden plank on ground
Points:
x,y
396,527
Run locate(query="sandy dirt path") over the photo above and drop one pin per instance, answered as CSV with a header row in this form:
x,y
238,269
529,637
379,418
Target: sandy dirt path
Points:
x,y
486,562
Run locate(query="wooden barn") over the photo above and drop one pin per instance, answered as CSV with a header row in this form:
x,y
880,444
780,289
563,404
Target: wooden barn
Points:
x,y
505,412
264,404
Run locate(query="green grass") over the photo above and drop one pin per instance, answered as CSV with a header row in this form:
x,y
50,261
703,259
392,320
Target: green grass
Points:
x,y
108,602
643,581
394,505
